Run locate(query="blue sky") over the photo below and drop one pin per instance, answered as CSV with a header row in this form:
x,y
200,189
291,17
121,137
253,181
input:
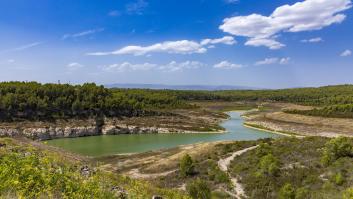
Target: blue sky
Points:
x,y
267,44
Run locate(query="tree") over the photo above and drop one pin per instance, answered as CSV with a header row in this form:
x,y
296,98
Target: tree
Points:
x,y
187,166
198,189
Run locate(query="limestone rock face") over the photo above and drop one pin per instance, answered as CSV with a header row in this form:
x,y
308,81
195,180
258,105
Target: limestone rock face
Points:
x,y
53,132
50,132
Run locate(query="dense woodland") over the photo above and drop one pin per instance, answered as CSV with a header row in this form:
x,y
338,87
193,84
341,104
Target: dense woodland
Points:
x,y
31,100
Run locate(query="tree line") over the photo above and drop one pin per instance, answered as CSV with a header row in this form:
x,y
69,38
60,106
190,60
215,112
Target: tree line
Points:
x,y
32,100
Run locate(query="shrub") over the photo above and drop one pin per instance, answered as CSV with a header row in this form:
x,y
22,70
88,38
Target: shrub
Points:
x,y
335,149
287,192
348,194
301,193
187,166
199,189
339,179
269,165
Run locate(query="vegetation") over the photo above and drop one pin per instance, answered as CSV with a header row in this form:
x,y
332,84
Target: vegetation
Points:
x,y
294,168
198,189
339,111
31,100
186,166
29,172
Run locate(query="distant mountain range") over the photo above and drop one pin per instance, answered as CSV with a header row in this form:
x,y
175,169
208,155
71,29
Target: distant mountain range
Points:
x,y
181,87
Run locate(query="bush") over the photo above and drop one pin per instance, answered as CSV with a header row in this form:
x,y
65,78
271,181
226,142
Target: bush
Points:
x,y
198,189
348,194
339,179
335,149
301,193
269,165
186,166
287,192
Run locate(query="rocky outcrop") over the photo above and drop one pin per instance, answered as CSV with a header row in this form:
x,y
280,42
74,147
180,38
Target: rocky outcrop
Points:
x,y
53,132
50,133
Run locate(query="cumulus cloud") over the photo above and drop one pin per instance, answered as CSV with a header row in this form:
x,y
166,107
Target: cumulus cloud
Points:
x,y
227,65
172,47
312,40
270,43
169,67
273,60
302,16
228,40
346,53
74,66
83,33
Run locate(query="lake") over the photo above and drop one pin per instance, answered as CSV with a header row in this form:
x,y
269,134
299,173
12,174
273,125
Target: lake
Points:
x,y
117,144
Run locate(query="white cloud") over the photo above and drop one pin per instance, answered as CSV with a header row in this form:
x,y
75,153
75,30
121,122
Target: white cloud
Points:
x,y
137,7
273,60
127,66
10,61
284,60
346,53
172,47
74,66
302,16
227,65
270,43
312,40
170,67
228,40
83,33
175,66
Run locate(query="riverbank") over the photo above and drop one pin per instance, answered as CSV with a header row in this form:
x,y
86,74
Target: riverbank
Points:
x,y
187,121
135,143
261,128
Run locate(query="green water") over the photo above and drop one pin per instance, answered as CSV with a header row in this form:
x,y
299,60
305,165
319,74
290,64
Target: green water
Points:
x,y
114,144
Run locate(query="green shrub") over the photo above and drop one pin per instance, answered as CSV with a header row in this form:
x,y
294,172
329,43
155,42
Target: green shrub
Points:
x,y
287,192
186,166
348,194
269,165
301,193
199,189
335,149
339,179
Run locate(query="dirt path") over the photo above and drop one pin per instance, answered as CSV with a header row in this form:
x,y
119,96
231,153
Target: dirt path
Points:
x,y
224,164
135,173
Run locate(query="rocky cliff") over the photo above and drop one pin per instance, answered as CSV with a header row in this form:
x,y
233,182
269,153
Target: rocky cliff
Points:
x,y
53,131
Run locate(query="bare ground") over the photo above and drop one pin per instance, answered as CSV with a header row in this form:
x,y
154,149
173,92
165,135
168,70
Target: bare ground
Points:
x,y
273,118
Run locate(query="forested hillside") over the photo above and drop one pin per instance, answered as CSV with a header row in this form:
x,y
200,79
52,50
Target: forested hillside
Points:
x,y
31,100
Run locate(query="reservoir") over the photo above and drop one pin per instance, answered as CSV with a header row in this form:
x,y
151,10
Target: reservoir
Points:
x,y
133,143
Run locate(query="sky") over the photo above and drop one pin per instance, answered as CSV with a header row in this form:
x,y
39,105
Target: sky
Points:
x,y
264,44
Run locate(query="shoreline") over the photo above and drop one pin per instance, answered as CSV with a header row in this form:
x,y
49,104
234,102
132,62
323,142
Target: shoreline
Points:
x,y
272,131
